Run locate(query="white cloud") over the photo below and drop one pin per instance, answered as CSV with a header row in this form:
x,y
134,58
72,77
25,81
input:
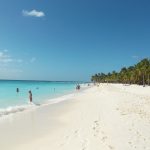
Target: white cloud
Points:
x,y
135,57
33,59
33,13
9,66
4,58
5,50
19,60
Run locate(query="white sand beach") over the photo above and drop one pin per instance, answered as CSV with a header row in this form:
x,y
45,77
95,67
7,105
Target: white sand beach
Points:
x,y
108,117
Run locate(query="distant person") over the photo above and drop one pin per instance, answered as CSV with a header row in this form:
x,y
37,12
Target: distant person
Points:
x,y
17,90
78,87
30,96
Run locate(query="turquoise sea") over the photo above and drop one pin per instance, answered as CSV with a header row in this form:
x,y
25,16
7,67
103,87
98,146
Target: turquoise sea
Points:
x,y
12,101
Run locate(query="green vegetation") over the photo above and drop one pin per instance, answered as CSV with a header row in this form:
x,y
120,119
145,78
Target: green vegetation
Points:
x,y
137,74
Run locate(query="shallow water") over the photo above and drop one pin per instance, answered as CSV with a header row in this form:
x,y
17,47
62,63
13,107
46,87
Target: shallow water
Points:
x,y
13,101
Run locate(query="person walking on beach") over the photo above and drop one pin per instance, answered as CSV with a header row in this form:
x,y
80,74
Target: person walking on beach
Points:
x,y
30,96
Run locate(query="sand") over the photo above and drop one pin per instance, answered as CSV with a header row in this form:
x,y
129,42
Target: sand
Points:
x,y
108,117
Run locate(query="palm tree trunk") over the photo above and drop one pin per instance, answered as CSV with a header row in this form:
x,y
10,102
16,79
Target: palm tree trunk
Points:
x,y
143,81
148,79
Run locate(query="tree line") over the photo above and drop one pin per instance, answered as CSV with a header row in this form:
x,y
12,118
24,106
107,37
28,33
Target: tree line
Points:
x,y
137,74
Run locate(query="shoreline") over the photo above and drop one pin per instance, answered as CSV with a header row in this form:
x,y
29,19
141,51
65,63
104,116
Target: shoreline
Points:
x,y
22,118
12,110
106,117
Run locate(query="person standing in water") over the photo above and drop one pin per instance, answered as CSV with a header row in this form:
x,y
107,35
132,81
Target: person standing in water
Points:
x,y
17,90
30,96
78,87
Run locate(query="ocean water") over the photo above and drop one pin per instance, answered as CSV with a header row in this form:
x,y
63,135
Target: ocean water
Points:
x,y
12,101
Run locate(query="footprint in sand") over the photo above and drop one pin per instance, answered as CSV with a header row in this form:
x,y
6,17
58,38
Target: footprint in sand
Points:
x,y
130,129
84,144
110,147
104,138
96,127
117,108
67,137
76,131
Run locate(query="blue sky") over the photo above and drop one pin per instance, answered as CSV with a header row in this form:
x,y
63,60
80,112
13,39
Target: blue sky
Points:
x,y
71,39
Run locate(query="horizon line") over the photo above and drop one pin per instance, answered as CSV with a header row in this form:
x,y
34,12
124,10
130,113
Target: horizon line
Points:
x,y
40,80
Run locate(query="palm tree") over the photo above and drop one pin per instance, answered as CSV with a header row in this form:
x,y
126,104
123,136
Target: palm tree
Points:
x,y
148,74
142,68
123,74
137,74
130,74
